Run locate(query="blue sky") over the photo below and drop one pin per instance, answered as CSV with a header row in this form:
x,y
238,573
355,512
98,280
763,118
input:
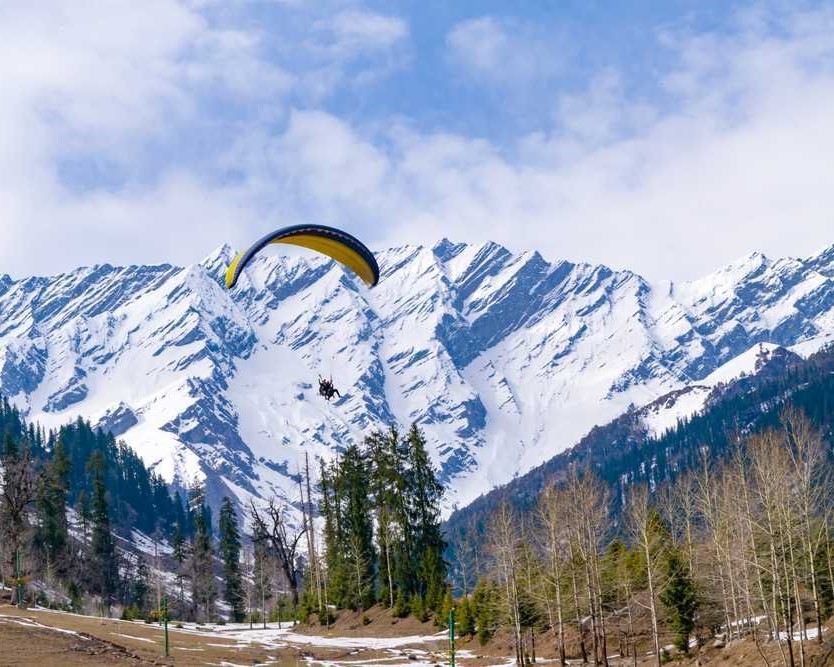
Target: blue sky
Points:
x,y
668,137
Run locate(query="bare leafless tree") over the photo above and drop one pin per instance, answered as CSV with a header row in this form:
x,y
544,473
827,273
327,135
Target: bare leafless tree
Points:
x,y
18,484
283,540
502,544
553,512
641,524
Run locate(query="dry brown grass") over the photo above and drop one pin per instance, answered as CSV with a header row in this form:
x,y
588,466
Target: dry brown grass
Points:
x,y
119,643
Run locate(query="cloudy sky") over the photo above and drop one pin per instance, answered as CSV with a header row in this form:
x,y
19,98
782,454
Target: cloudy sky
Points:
x,y
667,136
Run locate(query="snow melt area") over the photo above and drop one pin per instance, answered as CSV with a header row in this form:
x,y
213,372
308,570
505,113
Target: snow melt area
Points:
x,y
150,546
810,633
504,359
275,636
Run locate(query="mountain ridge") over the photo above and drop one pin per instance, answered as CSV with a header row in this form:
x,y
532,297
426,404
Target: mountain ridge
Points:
x,y
504,358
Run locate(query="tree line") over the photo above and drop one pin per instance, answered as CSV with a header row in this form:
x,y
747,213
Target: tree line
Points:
x,y
65,498
379,504
735,548
369,533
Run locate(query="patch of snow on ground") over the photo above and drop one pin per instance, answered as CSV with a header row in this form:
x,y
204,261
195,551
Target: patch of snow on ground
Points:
x,y
28,622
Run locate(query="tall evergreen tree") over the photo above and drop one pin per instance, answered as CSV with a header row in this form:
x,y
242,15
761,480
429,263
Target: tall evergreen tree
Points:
x,y
104,571
203,585
333,534
140,587
229,543
680,599
382,449
181,516
52,535
180,555
360,557
262,568
426,493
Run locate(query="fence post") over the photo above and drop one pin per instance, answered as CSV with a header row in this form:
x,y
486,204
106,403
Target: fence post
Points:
x,y
165,621
452,637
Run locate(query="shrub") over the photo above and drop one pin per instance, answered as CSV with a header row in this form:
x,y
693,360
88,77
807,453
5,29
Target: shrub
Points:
x,y
401,609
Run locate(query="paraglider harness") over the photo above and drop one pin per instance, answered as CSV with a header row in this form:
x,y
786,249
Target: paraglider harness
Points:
x,y
326,389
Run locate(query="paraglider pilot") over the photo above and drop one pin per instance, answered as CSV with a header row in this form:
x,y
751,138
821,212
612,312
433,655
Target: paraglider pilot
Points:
x,y
326,389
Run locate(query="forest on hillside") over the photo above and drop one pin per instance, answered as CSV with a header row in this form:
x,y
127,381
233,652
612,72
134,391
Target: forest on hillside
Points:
x,y
735,548
71,501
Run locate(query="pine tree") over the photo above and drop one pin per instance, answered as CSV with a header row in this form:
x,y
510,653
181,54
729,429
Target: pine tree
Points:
x,y
483,609
181,516
229,543
10,448
464,620
426,492
680,599
334,556
418,608
262,568
85,514
180,555
140,588
442,617
360,556
52,535
104,571
203,585
401,609
390,483
382,450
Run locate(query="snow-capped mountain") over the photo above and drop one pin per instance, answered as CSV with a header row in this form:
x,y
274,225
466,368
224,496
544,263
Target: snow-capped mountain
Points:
x,y
504,359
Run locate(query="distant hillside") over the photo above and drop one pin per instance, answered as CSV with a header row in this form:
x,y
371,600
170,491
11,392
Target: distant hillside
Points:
x,y
140,499
623,451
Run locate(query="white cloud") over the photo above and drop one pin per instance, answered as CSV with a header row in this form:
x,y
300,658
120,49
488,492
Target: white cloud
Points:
x,y
736,157
351,47
359,30
104,87
507,52
739,160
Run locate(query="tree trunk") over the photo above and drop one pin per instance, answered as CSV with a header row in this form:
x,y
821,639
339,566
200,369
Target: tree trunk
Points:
x,y
583,652
652,603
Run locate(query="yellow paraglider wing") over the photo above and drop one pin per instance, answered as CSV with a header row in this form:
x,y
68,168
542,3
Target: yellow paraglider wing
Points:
x,y
334,243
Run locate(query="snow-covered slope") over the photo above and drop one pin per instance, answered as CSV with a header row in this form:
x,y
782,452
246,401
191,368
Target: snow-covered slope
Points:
x,y
666,412
504,359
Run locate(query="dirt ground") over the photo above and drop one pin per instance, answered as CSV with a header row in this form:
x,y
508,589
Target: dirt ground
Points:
x,y
46,638
382,624
30,637
43,638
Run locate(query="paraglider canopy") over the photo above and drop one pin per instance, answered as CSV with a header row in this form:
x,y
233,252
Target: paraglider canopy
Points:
x,y
336,244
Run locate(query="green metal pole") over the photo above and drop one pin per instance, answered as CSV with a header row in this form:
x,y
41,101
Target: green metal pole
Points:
x,y
452,637
165,621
